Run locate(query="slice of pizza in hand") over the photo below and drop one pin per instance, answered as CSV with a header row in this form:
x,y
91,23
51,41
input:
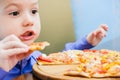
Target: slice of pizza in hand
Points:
x,y
38,45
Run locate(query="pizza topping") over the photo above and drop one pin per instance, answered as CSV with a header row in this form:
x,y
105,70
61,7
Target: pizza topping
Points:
x,y
38,46
46,59
91,63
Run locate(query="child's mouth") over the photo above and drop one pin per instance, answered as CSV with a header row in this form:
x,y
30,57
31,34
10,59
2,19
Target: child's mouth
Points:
x,y
28,35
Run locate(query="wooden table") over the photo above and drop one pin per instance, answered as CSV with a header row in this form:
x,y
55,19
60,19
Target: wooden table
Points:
x,y
55,72
28,76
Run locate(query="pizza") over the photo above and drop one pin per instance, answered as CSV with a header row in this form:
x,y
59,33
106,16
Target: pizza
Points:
x,y
90,63
97,63
38,46
65,57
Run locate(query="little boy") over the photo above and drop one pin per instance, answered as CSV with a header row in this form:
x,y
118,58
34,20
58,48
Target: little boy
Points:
x,y
19,27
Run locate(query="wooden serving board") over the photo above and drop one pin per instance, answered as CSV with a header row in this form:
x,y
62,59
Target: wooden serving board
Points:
x,y
55,72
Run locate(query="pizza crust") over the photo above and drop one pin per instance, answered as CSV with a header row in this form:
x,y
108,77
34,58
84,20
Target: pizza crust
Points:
x,y
38,46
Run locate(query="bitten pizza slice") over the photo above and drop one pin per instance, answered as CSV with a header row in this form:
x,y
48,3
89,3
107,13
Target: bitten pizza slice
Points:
x,y
38,45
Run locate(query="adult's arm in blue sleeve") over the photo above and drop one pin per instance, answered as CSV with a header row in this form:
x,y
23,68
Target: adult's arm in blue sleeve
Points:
x,y
80,44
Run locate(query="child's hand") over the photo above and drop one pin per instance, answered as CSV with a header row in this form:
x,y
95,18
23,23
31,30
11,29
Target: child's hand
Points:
x,y
12,50
96,36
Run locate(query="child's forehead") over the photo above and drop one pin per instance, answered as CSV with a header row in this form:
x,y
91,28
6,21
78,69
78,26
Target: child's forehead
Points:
x,y
4,3
17,1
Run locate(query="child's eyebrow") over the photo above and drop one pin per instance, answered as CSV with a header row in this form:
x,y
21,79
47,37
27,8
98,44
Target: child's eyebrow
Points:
x,y
36,3
12,4
17,4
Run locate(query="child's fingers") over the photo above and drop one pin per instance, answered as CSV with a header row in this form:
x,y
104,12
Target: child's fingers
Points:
x,y
22,56
104,27
101,35
15,51
14,44
101,31
10,38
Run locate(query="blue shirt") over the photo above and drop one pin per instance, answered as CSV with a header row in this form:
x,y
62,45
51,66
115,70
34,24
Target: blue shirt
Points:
x,y
25,66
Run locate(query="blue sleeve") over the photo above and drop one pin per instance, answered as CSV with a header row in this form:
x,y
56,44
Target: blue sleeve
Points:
x,y
80,44
29,62
22,67
3,74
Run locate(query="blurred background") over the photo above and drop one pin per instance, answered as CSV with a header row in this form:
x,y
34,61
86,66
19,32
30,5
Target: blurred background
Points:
x,y
57,24
68,20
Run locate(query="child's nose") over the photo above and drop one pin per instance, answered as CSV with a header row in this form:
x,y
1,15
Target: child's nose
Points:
x,y
28,21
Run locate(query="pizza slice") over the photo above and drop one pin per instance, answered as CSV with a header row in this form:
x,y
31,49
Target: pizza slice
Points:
x,y
65,57
105,64
38,46
54,58
113,71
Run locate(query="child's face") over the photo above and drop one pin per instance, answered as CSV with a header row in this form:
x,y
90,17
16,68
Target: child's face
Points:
x,y
20,17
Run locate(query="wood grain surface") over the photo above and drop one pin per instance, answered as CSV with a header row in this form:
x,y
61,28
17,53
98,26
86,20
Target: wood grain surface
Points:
x,y
55,72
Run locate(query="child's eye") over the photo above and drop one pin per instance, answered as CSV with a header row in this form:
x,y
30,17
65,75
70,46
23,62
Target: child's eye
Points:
x,y
34,11
15,13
